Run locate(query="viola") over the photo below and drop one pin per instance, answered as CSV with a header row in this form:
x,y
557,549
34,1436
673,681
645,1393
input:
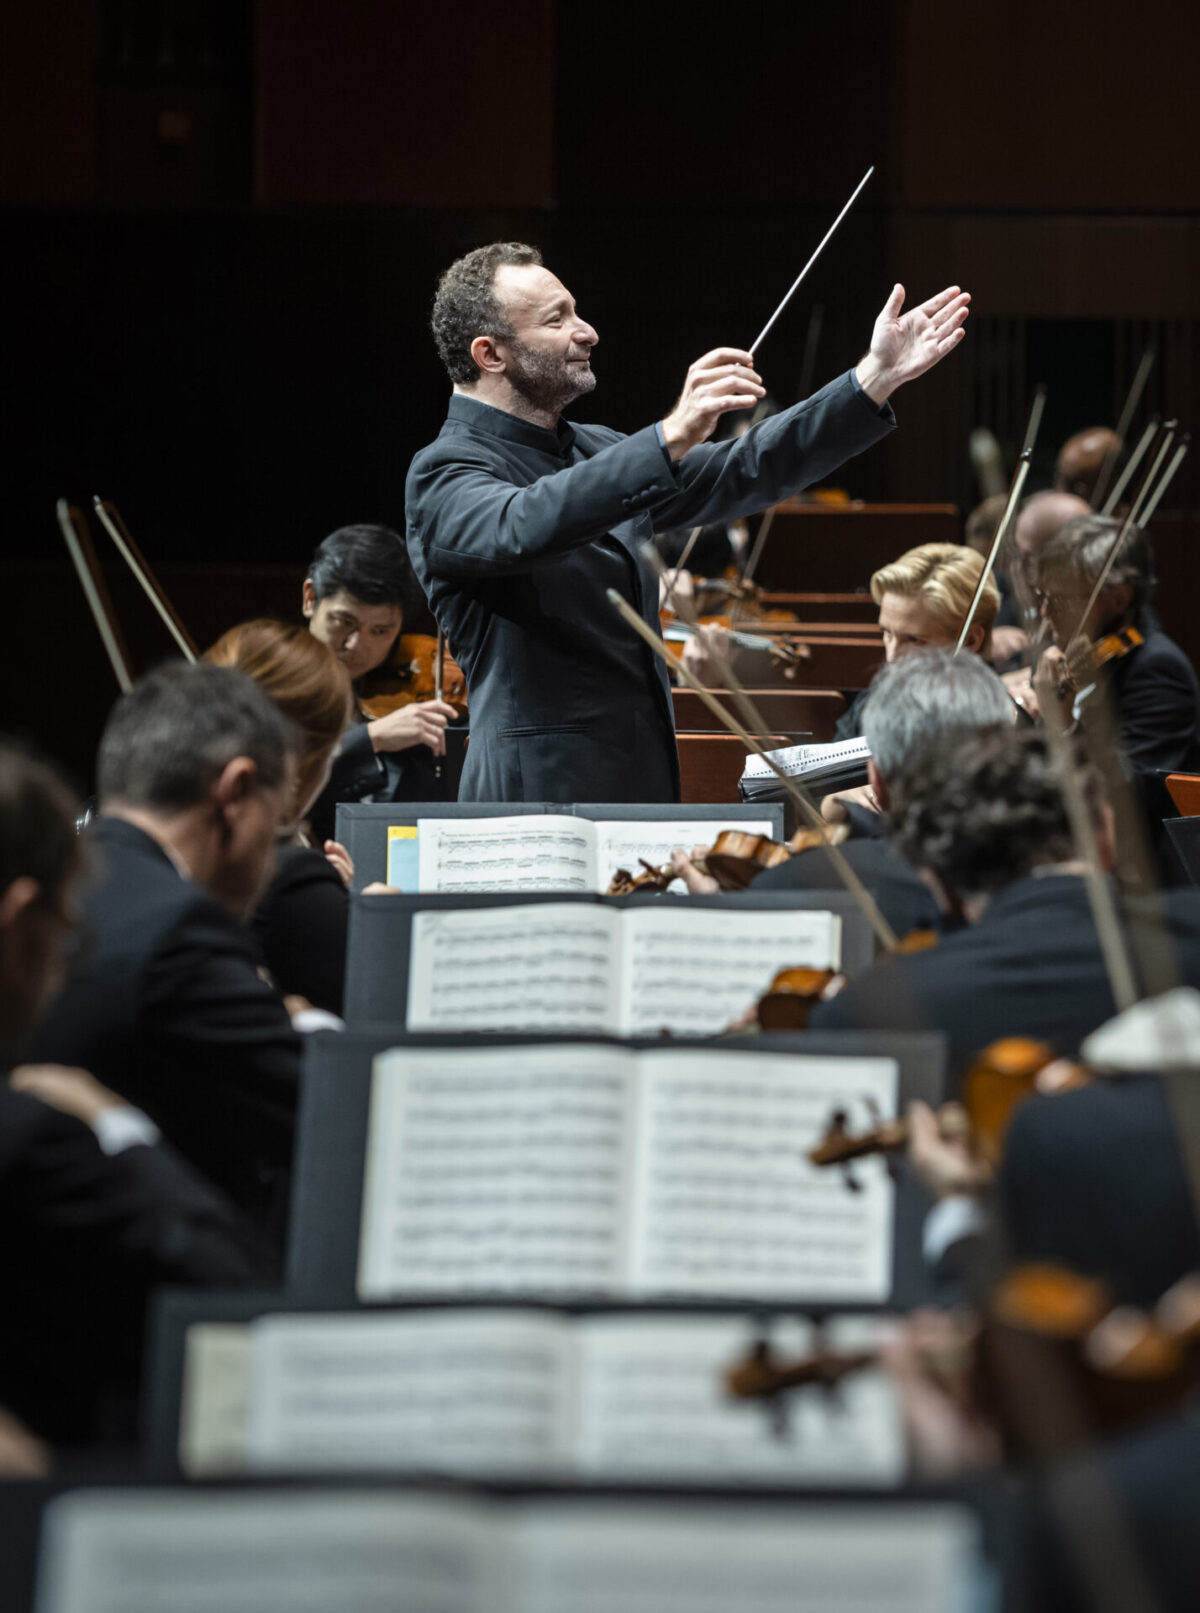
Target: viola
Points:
x,y
410,674
1085,657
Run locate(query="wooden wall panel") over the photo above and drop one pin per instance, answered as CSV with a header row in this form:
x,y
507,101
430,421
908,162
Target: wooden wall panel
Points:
x,y
367,104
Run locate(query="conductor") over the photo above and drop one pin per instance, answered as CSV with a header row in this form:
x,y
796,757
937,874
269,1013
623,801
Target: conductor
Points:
x,y
518,522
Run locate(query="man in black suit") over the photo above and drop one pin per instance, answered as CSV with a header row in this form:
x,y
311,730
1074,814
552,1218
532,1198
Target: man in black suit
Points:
x,y
96,1212
519,524
165,1003
354,600
1152,687
916,700
983,821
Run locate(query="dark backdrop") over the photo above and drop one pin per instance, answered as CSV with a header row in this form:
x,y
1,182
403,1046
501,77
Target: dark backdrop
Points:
x,y
221,223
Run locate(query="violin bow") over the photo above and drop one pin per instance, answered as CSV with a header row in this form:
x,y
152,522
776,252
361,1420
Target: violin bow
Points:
x,y
1010,510
110,519
861,895
757,343
1140,502
1123,425
82,551
1131,465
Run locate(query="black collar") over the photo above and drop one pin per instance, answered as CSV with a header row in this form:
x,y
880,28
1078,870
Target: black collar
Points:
x,y
497,423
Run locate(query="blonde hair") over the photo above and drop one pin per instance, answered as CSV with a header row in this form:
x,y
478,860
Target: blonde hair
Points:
x,y
944,577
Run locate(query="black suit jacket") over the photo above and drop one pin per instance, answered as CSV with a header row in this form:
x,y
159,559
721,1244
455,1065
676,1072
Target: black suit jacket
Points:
x,y
87,1237
1093,1180
1032,966
903,899
300,926
1158,704
165,1005
360,773
515,535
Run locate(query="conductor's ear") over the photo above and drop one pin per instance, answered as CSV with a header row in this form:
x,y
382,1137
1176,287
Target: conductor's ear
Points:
x,y
487,355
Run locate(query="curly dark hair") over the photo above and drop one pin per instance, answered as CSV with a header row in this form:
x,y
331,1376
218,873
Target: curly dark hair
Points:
x,y
987,810
466,305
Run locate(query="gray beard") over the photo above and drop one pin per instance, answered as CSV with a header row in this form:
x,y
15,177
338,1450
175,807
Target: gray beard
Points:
x,y
546,383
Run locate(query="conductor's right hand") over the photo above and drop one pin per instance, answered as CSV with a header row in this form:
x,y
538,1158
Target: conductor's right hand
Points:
x,y
423,724
722,380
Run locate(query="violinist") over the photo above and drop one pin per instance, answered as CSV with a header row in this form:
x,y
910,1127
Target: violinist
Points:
x,y
982,820
519,522
1150,681
923,599
914,702
354,600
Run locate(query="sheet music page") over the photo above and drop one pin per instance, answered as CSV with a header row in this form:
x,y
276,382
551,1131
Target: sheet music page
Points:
x,y
691,970
538,967
727,1204
622,844
478,1392
801,761
497,1170
765,1557
542,853
216,1399
652,1405
275,1551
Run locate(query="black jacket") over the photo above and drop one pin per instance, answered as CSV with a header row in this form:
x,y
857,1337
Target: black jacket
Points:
x,y
1094,1180
165,1005
300,926
516,533
1157,701
360,773
87,1237
905,901
1032,966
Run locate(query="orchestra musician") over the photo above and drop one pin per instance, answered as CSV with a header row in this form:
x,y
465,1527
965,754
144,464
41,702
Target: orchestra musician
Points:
x,y
519,522
984,822
354,601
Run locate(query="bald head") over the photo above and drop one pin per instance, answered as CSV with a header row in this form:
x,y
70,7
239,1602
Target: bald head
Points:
x,y
1041,517
1080,460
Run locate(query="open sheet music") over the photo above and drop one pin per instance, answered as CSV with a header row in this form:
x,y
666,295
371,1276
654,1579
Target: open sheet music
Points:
x,y
599,1170
582,966
551,852
610,1397
840,765
291,1551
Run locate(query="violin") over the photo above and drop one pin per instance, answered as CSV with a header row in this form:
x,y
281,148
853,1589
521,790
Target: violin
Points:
x,y
410,674
1122,1363
1083,658
1001,1077
735,859
788,653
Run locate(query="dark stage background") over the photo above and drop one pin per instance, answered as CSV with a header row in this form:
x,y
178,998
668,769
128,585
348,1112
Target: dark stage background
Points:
x,y
221,224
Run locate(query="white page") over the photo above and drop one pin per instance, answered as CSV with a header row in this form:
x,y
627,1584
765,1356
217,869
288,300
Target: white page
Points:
x,y
542,966
622,844
530,853
497,1170
727,1204
819,1557
652,1405
476,1392
691,970
216,1399
801,761
143,1551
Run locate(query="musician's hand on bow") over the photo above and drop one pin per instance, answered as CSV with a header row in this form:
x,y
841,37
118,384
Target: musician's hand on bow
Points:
x,y
944,1165
340,859
706,652
420,724
697,883
905,346
722,380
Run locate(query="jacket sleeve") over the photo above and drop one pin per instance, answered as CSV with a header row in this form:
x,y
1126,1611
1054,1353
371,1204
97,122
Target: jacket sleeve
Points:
x,y
782,456
1158,714
468,521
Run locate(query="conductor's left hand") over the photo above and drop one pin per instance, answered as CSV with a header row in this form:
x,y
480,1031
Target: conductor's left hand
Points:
x,y
904,346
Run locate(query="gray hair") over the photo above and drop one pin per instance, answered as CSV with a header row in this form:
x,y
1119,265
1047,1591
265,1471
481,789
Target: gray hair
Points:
x,y
922,697
172,736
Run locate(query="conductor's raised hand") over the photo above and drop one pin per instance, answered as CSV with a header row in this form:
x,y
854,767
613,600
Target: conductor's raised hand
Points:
x,y
904,346
722,380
